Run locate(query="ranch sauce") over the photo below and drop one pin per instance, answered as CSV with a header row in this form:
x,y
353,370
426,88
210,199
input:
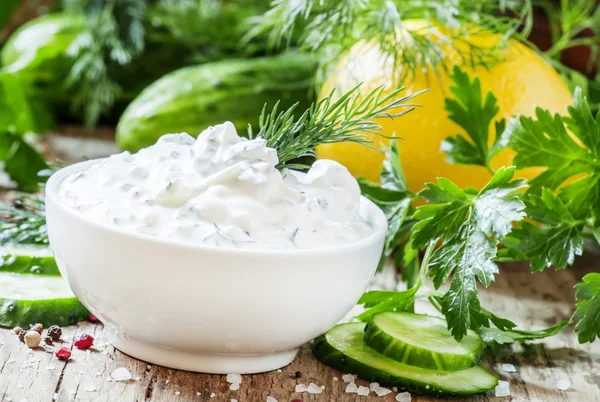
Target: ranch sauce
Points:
x,y
220,190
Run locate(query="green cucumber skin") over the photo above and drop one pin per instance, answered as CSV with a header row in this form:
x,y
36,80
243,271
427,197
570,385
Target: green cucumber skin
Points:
x,y
193,98
24,313
414,356
332,357
24,264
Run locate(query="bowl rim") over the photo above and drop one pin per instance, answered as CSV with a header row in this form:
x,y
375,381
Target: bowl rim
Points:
x,y
378,221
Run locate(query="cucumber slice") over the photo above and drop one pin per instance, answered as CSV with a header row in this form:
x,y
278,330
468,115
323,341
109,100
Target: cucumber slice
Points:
x,y
343,348
29,299
28,260
423,341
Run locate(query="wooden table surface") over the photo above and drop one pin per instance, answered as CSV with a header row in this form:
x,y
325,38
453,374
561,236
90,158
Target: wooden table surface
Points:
x,y
532,300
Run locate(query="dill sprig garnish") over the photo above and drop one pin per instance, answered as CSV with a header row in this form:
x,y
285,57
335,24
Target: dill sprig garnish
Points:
x,y
349,118
24,220
336,25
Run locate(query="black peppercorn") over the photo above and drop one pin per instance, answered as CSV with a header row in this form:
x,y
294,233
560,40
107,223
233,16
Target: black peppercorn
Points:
x,y
48,340
22,336
55,332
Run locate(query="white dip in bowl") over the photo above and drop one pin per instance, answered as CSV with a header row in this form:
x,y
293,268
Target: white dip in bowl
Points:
x,y
201,255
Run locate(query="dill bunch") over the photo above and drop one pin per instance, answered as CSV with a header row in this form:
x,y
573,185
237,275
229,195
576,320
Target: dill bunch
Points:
x,y
114,37
333,26
24,220
350,118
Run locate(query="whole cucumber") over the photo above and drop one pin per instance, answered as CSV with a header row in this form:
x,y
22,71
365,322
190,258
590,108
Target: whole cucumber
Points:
x,y
193,98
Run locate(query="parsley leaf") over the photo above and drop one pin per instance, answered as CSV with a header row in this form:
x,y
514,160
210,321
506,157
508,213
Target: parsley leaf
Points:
x,y
545,142
588,308
566,196
475,117
386,300
556,241
471,227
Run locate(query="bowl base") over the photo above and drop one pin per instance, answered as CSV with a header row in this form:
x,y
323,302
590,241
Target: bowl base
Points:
x,y
204,362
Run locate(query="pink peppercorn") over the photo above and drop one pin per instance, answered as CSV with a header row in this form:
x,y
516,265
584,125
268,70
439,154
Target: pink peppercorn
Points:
x,y
93,318
84,341
63,353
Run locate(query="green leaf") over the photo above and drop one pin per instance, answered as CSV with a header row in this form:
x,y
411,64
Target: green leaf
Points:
x,y
396,213
475,117
21,161
491,335
381,301
471,227
378,194
408,258
392,174
556,242
545,142
588,309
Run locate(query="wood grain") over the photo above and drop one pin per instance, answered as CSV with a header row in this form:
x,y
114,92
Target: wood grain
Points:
x,y
532,300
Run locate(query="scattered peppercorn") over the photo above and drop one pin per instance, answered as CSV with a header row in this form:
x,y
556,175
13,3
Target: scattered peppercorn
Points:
x,y
298,374
22,336
32,339
37,328
55,332
63,353
84,341
48,340
93,318
17,330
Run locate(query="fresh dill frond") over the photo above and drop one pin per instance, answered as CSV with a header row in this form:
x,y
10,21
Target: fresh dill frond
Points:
x,y
24,221
334,26
114,37
349,118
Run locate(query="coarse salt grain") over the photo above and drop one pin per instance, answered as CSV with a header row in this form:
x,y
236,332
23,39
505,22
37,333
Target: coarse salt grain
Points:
x,y
363,391
380,391
563,384
177,393
503,388
234,386
212,395
335,378
198,394
509,368
121,374
314,389
301,388
348,378
234,400
55,396
373,385
351,388
403,397
279,371
395,389
234,378
271,399
91,388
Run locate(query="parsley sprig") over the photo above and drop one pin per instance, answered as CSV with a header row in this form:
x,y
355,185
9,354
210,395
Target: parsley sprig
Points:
x,y
461,230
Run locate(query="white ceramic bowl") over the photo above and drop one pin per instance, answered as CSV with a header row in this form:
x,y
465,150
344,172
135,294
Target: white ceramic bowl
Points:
x,y
207,309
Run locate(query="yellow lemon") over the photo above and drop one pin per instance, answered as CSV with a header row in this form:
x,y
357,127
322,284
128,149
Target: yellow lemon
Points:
x,y
521,81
